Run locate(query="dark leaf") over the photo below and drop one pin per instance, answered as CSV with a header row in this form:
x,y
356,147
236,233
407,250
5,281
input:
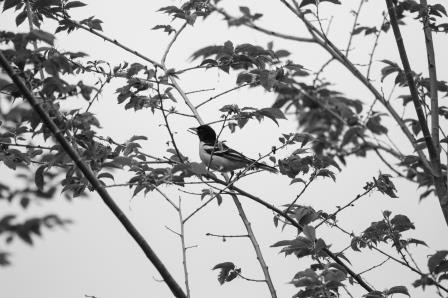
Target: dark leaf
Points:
x,y
398,290
436,259
39,177
74,4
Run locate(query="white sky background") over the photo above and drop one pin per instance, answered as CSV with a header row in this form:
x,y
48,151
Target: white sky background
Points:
x,y
95,256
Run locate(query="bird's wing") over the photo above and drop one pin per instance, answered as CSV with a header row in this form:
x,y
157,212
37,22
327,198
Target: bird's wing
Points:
x,y
224,151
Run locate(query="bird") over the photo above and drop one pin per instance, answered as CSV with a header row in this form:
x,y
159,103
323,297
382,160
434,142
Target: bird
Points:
x,y
223,158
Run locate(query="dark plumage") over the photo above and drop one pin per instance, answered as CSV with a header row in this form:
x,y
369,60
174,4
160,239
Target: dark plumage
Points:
x,y
224,159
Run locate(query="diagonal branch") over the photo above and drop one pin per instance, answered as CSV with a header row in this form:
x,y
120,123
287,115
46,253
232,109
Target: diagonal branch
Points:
x,y
294,223
96,184
106,38
326,44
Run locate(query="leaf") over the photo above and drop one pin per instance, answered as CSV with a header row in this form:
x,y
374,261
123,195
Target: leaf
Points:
x,y
43,36
226,269
74,4
436,259
401,223
439,7
135,138
219,199
10,3
24,202
166,28
21,17
398,290
106,175
326,173
272,113
309,232
295,180
316,2
39,177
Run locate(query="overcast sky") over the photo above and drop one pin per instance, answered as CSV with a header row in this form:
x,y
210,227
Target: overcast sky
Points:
x,y
95,256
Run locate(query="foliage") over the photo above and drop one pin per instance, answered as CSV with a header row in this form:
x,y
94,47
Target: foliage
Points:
x,y
331,127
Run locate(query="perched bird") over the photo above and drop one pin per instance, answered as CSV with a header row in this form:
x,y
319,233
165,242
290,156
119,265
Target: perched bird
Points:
x,y
223,158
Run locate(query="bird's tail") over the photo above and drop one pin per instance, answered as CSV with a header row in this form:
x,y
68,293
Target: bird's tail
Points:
x,y
263,166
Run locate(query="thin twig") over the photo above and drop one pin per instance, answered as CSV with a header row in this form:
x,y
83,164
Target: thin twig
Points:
x,y
96,184
266,31
333,215
226,236
355,23
375,45
167,198
170,44
301,192
106,38
431,143
167,124
30,17
374,267
297,226
184,248
220,94
326,44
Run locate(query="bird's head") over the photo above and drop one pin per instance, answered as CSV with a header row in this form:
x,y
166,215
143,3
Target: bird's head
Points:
x,y
205,133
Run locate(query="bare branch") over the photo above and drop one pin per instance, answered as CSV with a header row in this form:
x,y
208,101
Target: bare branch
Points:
x,y
256,246
355,23
106,38
184,248
170,44
266,31
220,94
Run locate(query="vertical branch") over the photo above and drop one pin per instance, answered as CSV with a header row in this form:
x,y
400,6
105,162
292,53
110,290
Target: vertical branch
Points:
x,y
434,154
257,249
174,81
375,45
332,49
165,118
96,184
432,83
355,23
184,248
30,17
254,241
410,80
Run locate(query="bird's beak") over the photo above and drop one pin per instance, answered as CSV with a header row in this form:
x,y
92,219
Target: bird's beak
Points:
x,y
193,130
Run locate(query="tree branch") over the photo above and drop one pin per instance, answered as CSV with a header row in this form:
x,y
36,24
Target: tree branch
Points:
x,y
96,184
326,44
254,242
433,148
296,225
